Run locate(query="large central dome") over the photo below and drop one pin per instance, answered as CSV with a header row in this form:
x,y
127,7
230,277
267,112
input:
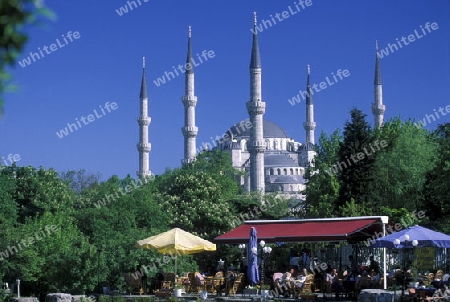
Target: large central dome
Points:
x,y
243,128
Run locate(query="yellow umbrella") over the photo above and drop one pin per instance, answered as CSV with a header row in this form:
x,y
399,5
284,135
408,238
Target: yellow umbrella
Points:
x,y
176,241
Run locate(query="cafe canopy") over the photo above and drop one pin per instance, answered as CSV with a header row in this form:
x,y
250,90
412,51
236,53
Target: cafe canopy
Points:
x,y
349,229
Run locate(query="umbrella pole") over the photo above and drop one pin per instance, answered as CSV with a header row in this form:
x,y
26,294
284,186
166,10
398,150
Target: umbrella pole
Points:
x,y
175,266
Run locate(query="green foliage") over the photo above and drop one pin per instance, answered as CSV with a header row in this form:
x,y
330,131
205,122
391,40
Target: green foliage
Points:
x,y
436,194
400,215
98,224
38,190
14,16
355,175
323,186
399,172
195,194
80,180
5,296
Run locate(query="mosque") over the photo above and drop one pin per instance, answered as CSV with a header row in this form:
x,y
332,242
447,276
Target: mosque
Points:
x,y
272,160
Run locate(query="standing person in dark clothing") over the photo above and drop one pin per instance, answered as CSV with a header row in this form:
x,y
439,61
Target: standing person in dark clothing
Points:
x,y
374,266
354,266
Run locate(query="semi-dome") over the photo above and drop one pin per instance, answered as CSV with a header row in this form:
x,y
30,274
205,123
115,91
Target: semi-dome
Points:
x,y
270,130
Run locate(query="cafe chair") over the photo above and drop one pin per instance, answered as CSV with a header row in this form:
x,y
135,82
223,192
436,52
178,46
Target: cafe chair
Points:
x,y
192,283
238,285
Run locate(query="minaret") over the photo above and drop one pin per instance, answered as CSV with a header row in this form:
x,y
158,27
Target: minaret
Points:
x,y
256,108
189,101
377,106
309,125
143,120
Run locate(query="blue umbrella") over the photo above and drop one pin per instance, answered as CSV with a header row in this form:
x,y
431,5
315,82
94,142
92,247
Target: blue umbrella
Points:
x,y
425,237
252,256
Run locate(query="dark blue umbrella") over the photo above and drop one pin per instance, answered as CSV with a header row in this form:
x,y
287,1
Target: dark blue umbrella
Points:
x,y
425,237
252,256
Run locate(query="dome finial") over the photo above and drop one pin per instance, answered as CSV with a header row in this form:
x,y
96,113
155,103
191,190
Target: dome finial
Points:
x,y
376,45
190,31
255,19
309,69
143,62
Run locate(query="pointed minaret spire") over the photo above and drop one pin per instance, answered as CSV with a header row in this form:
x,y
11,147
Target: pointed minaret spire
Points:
x,y
309,124
143,93
256,108
144,121
255,60
189,101
378,108
190,67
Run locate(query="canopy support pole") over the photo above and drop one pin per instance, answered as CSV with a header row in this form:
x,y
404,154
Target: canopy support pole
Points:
x,y
384,259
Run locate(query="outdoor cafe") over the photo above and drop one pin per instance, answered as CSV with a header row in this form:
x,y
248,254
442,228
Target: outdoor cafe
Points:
x,y
354,230
256,238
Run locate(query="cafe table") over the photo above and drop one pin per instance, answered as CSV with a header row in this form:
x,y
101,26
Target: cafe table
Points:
x,y
378,295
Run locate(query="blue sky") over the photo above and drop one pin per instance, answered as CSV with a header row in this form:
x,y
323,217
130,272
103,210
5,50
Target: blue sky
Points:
x,y
105,64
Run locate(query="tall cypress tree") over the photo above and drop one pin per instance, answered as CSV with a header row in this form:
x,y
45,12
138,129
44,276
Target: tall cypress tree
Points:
x,y
356,158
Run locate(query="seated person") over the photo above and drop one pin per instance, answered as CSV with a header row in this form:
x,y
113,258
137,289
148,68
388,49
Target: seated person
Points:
x,y
294,271
287,276
284,285
159,278
363,282
230,277
376,277
332,280
332,277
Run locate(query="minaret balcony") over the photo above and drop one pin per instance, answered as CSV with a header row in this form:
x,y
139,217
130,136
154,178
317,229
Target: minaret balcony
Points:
x,y
309,125
190,131
189,100
144,147
144,121
256,146
256,107
378,109
144,173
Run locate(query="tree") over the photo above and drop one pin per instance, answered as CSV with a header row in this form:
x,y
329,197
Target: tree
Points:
x,y
52,256
355,160
197,205
14,16
322,189
116,214
436,195
400,169
36,191
80,180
